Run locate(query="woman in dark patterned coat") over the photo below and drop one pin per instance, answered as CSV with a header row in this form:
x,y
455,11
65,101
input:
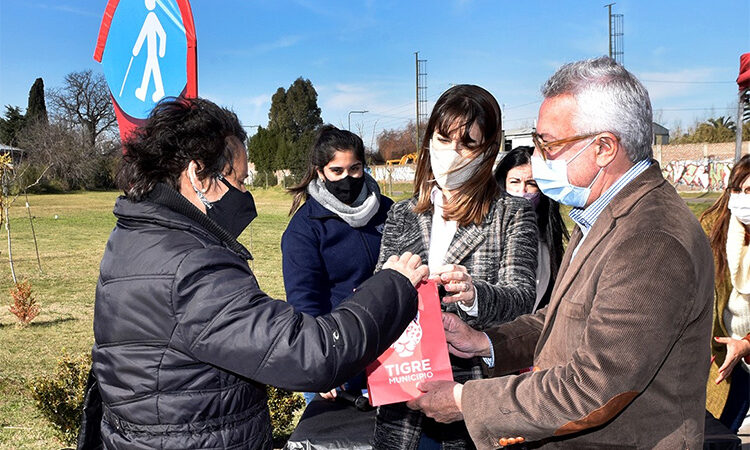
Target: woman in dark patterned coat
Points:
x,y
481,244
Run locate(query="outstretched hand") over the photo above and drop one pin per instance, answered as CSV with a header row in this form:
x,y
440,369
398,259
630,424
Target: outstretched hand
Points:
x,y
736,349
464,341
408,265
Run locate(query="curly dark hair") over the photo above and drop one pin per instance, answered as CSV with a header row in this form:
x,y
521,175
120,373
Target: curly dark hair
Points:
x,y
178,131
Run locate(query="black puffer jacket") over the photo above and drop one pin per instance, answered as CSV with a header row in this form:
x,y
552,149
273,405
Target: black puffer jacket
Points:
x,y
185,338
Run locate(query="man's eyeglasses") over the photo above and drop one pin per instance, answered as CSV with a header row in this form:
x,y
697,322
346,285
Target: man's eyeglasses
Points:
x,y
736,190
545,147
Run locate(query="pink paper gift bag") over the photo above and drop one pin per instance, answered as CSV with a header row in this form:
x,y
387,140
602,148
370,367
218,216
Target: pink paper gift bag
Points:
x,y
420,354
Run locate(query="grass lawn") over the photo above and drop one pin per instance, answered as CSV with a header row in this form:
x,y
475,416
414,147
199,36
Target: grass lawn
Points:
x,y
72,230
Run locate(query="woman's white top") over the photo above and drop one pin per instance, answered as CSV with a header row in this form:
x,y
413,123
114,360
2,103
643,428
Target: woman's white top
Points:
x,y
441,236
737,312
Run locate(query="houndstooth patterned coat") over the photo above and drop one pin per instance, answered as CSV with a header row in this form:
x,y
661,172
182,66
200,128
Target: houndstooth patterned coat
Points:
x,y
500,254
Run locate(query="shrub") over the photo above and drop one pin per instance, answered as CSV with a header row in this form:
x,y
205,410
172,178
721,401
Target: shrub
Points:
x,y
24,306
282,405
60,397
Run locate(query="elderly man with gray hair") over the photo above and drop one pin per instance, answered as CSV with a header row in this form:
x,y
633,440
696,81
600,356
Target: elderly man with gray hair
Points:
x,y
620,355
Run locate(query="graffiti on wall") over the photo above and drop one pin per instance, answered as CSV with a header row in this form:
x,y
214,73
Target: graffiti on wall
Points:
x,y
704,174
395,173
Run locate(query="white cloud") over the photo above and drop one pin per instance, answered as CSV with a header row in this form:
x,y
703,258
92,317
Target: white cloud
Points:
x,y
282,42
343,96
659,51
386,106
264,47
73,10
259,100
251,110
662,85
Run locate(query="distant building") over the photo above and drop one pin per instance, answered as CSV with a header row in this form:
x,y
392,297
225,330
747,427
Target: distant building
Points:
x,y
16,154
518,137
661,135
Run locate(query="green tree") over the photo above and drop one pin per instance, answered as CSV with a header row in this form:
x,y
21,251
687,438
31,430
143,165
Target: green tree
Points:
x,y
294,118
720,129
11,125
36,110
261,149
295,111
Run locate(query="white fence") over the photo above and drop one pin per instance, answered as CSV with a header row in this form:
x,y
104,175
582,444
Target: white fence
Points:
x,y
393,174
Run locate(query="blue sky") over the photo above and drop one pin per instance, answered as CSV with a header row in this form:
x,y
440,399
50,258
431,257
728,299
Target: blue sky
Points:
x,y
359,55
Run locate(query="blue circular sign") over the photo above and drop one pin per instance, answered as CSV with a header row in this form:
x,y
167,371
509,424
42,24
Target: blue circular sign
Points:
x,y
145,58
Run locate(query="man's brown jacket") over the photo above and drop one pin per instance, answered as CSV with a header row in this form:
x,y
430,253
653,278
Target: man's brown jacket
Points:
x,y
621,354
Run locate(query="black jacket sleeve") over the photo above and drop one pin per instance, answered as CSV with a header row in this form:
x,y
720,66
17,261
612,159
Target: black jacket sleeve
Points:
x,y
226,320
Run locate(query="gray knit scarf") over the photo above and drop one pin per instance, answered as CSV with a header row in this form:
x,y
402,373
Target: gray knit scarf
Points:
x,y
359,213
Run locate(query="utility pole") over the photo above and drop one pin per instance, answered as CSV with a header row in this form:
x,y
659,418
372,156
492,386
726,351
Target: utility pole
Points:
x,y
421,78
616,33
349,126
744,97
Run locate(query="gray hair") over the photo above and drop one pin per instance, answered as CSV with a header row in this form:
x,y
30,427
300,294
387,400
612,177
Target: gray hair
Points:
x,y
609,99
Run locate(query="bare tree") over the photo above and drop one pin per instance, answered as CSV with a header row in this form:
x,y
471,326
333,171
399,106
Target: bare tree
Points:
x,y
11,186
84,100
395,143
63,152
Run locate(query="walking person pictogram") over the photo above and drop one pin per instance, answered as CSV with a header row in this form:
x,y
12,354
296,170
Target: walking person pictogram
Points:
x,y
151,30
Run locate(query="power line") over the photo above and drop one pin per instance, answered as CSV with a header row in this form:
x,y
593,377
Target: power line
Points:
x,y
695,109
523,104
687,82
519,119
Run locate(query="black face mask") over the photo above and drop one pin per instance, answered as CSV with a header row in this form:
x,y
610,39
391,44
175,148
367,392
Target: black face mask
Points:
x,y
234,211
346,189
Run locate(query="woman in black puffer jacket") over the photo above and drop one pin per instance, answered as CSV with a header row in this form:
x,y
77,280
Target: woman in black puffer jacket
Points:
x,y
185,338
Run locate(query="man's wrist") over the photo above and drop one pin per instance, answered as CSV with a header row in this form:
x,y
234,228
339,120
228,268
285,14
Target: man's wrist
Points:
x,y
485,350
457,392
746,358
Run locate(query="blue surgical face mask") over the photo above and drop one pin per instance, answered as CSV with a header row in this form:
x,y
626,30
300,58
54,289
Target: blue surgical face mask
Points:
x,y
552,178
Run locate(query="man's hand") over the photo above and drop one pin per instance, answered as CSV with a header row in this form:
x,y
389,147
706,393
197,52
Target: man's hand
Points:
x,y
408,265
464,341
441,400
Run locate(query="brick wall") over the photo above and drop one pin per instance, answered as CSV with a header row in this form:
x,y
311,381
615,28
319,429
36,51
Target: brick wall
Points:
x,y
691,152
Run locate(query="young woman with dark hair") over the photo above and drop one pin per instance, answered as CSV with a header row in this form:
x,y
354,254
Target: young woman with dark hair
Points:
x,y
184,338
514,176
332,242
727,223
480,243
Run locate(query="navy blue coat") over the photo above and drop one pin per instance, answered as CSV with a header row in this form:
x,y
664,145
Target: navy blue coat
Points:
x,y
324,258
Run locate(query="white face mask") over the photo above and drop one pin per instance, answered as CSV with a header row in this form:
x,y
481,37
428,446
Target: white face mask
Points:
x,y
739,205
452,170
